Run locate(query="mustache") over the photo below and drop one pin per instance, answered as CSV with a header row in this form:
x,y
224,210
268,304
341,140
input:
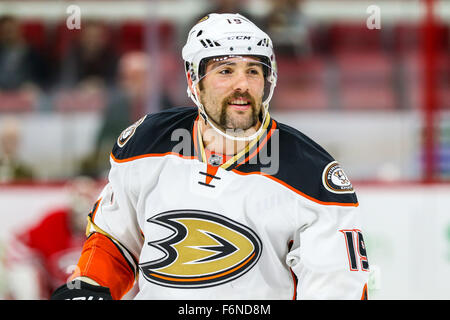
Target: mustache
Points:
x,y
244,95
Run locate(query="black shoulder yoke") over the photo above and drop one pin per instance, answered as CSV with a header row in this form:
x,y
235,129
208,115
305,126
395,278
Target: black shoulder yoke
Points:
x,y
157,133
304,167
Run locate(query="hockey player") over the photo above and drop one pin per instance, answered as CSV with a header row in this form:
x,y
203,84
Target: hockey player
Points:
x,y
222,201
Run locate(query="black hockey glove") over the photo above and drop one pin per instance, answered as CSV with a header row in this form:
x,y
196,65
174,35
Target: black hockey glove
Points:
x,y
81,291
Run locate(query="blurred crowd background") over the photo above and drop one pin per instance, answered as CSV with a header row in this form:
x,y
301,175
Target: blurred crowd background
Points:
x,y
378,99
66,94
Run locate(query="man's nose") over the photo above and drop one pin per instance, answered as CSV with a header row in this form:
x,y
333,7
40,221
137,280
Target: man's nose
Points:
x,y
240,82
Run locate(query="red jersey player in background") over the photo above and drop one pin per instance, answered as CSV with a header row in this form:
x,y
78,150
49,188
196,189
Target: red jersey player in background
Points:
x,y
41,257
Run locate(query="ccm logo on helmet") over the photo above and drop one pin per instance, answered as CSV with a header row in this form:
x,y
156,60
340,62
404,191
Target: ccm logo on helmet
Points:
x,y
203,249
239,38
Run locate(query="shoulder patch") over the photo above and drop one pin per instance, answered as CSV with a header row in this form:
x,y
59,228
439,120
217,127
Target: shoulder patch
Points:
x,y
335,180
129,132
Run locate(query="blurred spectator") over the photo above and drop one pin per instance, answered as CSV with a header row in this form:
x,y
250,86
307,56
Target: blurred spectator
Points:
x,y
40,258
228,6
91,60
20,65
11,168
127,104
288,27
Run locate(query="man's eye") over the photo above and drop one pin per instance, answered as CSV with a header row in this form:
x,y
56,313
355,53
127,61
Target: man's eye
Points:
x,y
254,71
225,71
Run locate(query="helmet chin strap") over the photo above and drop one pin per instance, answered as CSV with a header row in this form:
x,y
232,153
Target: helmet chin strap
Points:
x,y
204,115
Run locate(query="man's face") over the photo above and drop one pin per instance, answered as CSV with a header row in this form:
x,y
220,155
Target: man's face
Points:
x,y
232,92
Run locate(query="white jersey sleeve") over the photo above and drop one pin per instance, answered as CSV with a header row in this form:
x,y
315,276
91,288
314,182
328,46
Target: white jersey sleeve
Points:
x,y
115,212
329,257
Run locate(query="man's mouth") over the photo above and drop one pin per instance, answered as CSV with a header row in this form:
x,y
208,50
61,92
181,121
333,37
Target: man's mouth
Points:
x,y
240,104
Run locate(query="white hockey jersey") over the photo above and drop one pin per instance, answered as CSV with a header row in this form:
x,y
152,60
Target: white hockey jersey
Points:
x,y
277,221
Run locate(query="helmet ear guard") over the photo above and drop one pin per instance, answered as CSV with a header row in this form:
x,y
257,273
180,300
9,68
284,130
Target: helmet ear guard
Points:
x,y
191,80
191,72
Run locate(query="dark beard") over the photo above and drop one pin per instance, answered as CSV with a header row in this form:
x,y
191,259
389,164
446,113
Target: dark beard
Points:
x,y
224,121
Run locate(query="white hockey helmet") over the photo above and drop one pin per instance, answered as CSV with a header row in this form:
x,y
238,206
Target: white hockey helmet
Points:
x,y
226,34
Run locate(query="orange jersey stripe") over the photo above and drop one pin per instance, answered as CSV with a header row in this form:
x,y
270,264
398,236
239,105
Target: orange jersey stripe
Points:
x,y
194,138
151,155
364,295
102,261
294,279
211,171
298,191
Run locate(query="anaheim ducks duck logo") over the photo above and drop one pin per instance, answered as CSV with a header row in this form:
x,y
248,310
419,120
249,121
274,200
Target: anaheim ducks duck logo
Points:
x,y
128,132
203,249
